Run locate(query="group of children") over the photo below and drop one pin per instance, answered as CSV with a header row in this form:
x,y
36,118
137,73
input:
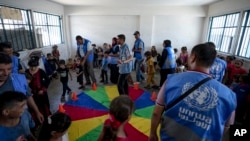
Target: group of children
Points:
x,y
16,121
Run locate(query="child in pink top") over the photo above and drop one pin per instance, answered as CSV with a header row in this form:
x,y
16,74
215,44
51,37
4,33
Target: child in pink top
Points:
x,y
184,56
121,109
237,69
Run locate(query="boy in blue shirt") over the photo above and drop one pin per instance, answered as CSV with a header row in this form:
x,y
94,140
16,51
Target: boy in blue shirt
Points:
x,y
105,67
15,120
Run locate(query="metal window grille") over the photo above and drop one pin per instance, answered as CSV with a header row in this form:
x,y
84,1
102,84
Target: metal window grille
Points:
x,y
25,29
223,30
243,47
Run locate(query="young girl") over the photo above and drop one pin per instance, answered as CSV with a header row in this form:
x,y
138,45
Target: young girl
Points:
x,y
55,127
150,70
79,73
121,109
184,56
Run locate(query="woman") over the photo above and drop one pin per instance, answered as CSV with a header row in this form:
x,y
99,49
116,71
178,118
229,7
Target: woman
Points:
x,y
39,85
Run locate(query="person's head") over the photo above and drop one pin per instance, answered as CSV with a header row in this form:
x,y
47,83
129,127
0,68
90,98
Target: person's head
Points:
x,y
236,78
175,50
54,47
202,56
184,49
244,79
5,67
229,59
121,109
121,39
12,104
49,56
79,39
148,54
137,34
106,54
62,64
238,63
166,43
54,127
5,47
33,64
78,60
114,41
105,45
178,62
94,45
153,48
28,77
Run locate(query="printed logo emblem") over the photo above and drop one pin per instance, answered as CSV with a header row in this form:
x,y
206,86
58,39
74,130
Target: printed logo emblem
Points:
x,y
204,98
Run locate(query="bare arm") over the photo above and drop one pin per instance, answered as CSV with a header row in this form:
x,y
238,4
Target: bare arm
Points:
x,y
229,122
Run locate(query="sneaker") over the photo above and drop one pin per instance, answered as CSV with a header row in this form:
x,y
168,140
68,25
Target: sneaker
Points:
x,y
87,83
63,99
155,87
102,81
82,87
69,92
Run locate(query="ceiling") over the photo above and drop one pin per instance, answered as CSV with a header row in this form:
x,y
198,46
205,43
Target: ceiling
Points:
x,y
120,3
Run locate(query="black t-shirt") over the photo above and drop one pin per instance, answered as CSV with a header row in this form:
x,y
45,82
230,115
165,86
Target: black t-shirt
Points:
x,y
63,74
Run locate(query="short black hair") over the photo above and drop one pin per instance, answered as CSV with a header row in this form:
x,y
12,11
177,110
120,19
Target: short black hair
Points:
x,y
78,37
34,61
5,59
9,98
49,54
148,53
121,36
94,45
106,52
167,43
4,45
62,62
205,54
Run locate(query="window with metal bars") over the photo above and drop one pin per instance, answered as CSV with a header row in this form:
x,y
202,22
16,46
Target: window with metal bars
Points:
x,y
223,31
243,47
25,29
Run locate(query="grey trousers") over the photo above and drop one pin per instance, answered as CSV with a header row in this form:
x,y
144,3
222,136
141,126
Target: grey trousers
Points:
x,y
89,72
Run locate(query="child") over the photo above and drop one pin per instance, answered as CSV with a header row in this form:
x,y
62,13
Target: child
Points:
x,y
184,56
235,82
64,73
105,68
180,68
79,73
236,69
121,109
55,127
70,63
175,53
150,70
55,52
52,62
15,120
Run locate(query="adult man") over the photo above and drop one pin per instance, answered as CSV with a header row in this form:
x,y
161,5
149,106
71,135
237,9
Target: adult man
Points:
x,y
15,82
85,52
204,113
124,65
138,50
7,49
218,68
167,62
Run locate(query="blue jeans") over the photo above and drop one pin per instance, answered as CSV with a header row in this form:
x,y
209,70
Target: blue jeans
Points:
x,y
139,74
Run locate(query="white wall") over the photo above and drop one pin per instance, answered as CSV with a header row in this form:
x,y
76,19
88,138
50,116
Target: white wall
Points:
x,y
181,24
101,29
41,6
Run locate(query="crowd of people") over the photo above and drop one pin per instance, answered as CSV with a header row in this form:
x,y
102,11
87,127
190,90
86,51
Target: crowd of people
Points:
x,y
198,92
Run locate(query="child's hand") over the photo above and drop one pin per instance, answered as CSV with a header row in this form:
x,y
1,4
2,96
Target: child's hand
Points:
x,y
40,92
119,62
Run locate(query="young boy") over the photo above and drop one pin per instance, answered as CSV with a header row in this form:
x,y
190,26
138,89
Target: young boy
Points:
x,y
105,68
150,70
79,73
52,62
64,73
15,120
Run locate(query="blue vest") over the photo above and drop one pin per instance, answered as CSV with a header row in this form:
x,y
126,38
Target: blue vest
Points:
x,y
202,114
170,60
114,60
19,83
85,48
138,55
218,68
15,63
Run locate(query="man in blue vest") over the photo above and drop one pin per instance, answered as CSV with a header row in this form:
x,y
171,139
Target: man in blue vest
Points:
x,y
204,114
15,82
85,52
138,50
167,62
5,47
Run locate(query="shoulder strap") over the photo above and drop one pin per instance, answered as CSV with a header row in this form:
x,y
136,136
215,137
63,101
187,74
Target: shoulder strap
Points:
x,y
187,92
